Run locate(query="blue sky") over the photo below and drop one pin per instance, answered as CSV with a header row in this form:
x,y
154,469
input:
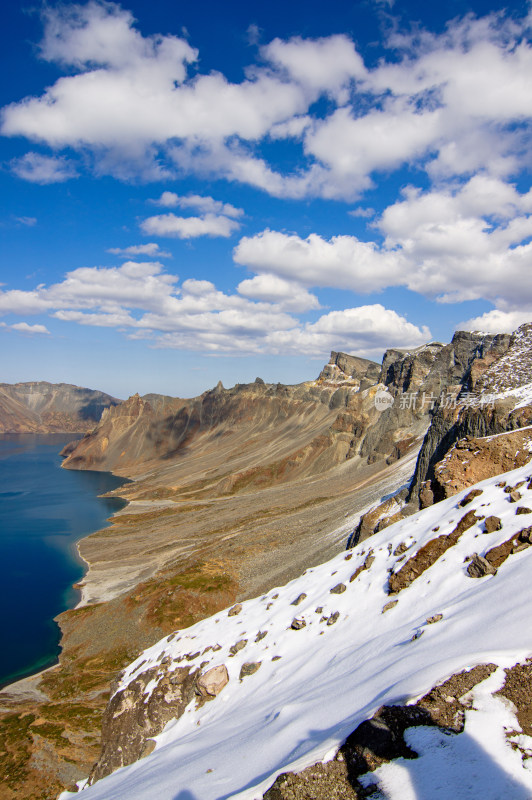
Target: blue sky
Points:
x,y
204,191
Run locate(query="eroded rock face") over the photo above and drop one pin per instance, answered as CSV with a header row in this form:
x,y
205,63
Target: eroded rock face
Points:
x,y
132,717
374,520
499,363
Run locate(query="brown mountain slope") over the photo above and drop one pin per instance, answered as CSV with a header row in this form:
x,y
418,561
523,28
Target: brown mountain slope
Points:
x,y
41,407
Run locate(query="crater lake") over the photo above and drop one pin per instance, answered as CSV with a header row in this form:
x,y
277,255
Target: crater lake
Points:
x,y
44,511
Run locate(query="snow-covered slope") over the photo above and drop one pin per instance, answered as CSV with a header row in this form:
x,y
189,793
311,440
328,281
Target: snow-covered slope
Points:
x,y
315,684
513,369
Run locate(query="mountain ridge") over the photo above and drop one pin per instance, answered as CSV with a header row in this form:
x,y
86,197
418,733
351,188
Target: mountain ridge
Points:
x,y
237,491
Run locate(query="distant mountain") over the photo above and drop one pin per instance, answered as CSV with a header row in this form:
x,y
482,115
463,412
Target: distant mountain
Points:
x,y
41,407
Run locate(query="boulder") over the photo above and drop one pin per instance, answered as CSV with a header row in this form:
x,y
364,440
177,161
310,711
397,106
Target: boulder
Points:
x,y
339,588
211,683
470,496
298,623
234,649
479,567
249,668
298,599
492,524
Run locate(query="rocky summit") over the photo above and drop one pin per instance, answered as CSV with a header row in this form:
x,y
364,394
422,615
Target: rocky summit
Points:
x,y
242,490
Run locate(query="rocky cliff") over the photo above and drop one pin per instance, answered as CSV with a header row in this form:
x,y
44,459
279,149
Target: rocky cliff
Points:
x,y
41,407
489,394
496,398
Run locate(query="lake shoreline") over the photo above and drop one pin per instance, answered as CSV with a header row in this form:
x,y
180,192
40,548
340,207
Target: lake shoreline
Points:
x,y
24,685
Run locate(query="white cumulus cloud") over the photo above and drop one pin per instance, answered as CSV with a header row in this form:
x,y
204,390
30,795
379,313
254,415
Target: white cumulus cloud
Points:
x,y
462,242
145,302
453,103
289,295
497,321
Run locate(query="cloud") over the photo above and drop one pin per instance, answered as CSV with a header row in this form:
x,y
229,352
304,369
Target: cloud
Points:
x,y
325,64
253,34
16,301
36,168
132,93
136,284
288,295
189,227
449,104
380,140
342,262
206,205
497,321
366,330
150,249
146,303
463,242
24,327
28,221
365,213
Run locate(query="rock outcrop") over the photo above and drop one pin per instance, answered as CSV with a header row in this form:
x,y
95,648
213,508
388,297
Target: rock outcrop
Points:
x,y
344,368
481,394
134,715
496,402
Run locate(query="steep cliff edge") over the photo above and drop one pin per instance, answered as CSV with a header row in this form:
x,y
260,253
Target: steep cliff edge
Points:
x,y
498,399
491,397
41,407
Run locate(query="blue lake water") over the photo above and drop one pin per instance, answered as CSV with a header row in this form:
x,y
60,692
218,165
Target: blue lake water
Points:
x,y
44,511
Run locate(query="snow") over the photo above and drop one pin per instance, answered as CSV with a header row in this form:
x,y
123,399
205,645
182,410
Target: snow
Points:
x,y
522,395
298,709
509,375
478,763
